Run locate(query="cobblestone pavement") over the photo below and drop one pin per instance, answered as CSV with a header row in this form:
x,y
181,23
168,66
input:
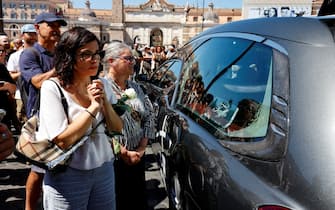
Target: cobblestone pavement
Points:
x,y
13,176
157,198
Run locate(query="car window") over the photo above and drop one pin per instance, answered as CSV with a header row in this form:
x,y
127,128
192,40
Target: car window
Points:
x,y
201,66
167,74
213,56
230,92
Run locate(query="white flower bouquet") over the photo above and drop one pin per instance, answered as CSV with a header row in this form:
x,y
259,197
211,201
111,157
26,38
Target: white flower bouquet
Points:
x,y
120,107
129,93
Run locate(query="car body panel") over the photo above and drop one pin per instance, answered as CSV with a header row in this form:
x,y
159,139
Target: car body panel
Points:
x,y
298,27
292,165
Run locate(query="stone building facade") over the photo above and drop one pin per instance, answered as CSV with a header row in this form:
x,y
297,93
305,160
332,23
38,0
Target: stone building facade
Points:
x,y
17,12
155,22
158,22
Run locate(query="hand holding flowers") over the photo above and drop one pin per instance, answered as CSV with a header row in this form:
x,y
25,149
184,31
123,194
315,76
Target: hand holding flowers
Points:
x,y
120,107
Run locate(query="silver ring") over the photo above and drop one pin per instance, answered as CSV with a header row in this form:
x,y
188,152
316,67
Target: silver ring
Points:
x,y
4,136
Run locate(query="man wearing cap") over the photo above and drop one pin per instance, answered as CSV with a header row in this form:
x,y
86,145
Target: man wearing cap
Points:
x,y
28,37
37,65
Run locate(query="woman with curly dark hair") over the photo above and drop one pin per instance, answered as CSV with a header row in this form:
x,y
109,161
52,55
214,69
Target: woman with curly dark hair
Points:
x,y
88,181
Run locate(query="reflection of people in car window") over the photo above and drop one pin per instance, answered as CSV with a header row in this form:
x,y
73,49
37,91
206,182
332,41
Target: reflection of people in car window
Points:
x,y
247,113
202,105
194,69
187,90
168,79
156,77
196,91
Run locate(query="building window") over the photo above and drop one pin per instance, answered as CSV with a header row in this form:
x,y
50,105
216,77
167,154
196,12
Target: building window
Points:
x,y
229,19
33,6
12,5
13,15
32,15
23,15
43,6
195,19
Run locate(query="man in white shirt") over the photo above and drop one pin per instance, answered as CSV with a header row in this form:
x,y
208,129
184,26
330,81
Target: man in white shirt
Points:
x,y
29,37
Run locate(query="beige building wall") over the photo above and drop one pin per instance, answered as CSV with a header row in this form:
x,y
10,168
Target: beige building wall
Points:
x,y
18,12
175,24
146,23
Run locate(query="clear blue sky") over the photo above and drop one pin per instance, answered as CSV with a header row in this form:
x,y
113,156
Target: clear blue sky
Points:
x,y
107,4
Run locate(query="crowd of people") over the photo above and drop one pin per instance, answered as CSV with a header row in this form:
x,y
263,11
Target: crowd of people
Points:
x,y
149,58
45,62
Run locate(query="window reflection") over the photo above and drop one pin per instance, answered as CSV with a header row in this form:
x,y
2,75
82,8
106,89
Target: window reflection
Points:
x,y
228,90
167,74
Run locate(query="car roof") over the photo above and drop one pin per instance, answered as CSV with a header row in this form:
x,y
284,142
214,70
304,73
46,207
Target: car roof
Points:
x,y
314,30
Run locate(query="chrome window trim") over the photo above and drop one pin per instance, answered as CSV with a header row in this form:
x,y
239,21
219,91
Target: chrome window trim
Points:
x,y
252,37
275,46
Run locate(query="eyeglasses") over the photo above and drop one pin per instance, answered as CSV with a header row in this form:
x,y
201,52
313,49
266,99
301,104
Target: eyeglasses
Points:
x,y
88,55
128,58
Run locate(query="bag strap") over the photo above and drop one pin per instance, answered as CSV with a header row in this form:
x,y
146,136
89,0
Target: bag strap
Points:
x,y
66,106
63,99
52,164
96,126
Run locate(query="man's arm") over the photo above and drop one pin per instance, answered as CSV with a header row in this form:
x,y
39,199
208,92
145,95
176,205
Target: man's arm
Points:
x,y
31,69
38,79
15,74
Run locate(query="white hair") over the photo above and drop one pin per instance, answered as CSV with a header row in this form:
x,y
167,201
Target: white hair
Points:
x,y
113,50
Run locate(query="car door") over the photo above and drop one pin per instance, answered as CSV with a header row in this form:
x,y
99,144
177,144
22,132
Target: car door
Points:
x,y
221,111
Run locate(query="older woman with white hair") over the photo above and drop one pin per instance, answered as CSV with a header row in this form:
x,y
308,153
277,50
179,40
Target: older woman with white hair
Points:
x,y
137,130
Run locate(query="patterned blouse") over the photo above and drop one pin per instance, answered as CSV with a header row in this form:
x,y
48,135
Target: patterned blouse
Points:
x,y
139,122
